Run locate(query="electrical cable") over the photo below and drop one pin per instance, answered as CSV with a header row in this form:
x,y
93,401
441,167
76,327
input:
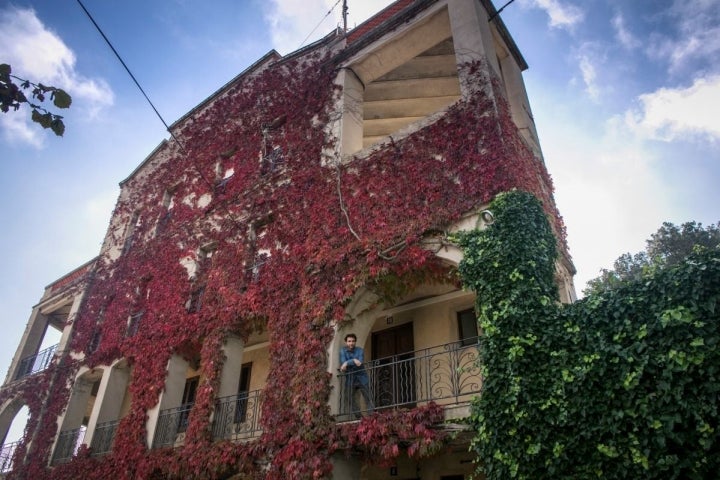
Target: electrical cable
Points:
x,y
179,143
129,72
319,23
498,12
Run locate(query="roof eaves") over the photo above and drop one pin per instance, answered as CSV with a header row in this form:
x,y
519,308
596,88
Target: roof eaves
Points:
x,y
505,34
377,19
142,164
271,57
80,271
326,40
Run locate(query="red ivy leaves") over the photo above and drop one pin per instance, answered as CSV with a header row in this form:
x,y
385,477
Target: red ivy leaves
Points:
x,y
392,197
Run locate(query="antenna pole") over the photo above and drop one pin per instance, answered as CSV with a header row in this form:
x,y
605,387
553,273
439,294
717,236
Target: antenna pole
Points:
x,y
344,15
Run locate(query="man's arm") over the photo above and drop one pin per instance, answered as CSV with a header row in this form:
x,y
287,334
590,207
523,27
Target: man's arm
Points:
x,y
343,359
359,356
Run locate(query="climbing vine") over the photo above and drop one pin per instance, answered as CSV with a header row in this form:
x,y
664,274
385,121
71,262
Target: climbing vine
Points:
x,y
619,385
324,231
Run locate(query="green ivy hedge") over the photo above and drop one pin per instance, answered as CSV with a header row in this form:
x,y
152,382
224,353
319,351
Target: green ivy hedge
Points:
x,y
621,385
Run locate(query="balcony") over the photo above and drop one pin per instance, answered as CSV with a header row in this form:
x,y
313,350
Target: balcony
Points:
x,y
237,417
102,440
171,426
68,444
6,456
447,374
35,363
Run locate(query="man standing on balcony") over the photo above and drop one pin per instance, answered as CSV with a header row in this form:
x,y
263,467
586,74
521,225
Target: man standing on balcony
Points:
x,y
352,364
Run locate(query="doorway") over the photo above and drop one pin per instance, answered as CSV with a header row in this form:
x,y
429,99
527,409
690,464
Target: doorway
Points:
x,y
394,367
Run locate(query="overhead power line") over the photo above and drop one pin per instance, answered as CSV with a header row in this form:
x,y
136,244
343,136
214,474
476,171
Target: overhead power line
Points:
x,y
127,70
498,12
320,22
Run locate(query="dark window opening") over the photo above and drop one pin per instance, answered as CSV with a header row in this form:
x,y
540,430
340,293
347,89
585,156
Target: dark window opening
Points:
x,y
243,390
272,160
258,262
194,303
134,323
94,342
467,326
163,222
188,399
130,231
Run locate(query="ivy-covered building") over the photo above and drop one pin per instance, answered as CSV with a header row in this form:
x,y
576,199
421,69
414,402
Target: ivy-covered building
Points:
x,y
310,197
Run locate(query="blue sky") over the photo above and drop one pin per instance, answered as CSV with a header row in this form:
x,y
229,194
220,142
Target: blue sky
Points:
x,y
625,96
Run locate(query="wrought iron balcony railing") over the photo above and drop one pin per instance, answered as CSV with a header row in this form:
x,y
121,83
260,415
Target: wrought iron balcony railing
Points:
x,y
237,417
35,363
102,440
68,444
171,423
446,374
6,456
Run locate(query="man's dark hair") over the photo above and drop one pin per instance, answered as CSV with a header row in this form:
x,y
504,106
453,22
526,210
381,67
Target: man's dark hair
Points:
x,y
350,335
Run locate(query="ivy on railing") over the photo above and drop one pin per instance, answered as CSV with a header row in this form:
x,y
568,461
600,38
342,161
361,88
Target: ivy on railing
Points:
x,y
68,444
103,437
7,455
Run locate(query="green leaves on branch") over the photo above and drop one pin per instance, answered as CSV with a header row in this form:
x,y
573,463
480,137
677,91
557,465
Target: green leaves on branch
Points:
x,y
12,97
623,384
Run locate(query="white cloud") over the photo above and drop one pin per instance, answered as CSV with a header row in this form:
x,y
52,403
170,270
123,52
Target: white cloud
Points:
x,y
624,36
562,15
591,60
17,130
587,68
609,191
694,36
40,55
674,113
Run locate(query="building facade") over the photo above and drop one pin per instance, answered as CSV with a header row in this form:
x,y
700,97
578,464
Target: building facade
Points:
x,y
310,197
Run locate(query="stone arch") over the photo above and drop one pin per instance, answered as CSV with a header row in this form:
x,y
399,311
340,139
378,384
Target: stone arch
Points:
x,y
11,414
8,412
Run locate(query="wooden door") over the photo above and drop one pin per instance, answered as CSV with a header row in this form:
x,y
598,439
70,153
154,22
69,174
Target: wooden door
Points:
x,y
394,371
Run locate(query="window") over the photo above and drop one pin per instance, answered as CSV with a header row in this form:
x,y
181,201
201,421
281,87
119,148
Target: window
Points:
x,y
188,399
168,203
191,385
134,323
194,303
243,391
467,326
142,293
271,154
258,249
260,259
273,159
94,341
130,231
199,277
